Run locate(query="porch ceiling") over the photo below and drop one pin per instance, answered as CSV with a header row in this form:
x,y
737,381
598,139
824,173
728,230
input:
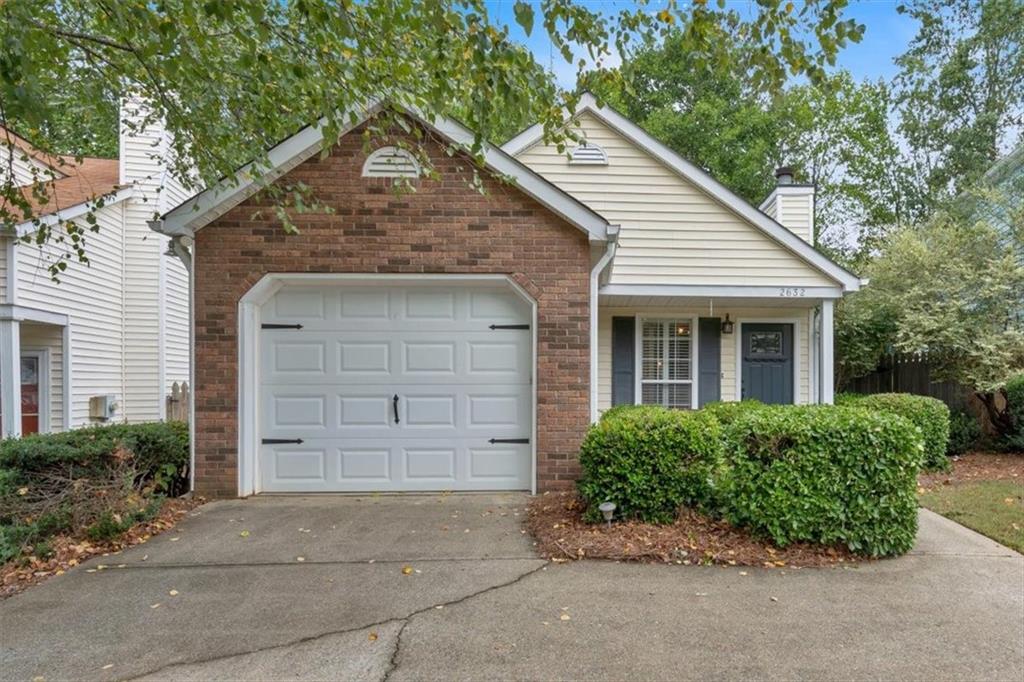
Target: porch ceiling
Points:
x,y
705,302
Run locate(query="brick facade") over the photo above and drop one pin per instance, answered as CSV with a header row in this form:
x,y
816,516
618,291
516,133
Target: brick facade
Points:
x,y
443,227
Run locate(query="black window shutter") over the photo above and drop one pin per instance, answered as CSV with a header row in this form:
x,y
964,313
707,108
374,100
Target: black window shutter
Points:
x,y
709,360
623,360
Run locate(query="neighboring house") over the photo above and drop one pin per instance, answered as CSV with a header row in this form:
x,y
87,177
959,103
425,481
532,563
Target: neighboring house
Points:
x,y
445,339
106,342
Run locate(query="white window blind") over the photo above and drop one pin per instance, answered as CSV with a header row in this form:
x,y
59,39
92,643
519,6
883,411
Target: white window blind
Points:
x,y
666,359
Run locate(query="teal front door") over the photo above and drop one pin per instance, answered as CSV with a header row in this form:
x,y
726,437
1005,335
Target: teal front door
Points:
x,y
767,362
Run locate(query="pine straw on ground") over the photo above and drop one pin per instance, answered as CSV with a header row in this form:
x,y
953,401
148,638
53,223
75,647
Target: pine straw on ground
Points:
x,y
69,552
977,466
555,521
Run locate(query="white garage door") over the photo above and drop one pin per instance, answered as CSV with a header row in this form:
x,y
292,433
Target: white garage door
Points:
x,y
395,388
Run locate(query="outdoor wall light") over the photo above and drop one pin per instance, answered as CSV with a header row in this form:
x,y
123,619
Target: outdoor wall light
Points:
x,y
608,509
727,325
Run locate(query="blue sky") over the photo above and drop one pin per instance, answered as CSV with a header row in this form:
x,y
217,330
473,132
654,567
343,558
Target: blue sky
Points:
x,y
886,37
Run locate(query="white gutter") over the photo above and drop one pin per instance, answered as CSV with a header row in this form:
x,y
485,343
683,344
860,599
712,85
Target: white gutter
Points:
x,y
595,277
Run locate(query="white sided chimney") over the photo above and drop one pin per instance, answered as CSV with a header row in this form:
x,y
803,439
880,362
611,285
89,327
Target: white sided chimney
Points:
x,y
791,204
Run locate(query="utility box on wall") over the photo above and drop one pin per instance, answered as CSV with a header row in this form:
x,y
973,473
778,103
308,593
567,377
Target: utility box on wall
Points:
x,y
102,407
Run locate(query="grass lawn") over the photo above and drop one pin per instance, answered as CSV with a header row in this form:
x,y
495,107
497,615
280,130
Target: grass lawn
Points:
x,y
993,508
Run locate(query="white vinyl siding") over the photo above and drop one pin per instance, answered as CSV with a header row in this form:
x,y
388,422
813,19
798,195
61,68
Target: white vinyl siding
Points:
x,y
672,233
26,171
728,343
4,245
49,338
91,296
176,338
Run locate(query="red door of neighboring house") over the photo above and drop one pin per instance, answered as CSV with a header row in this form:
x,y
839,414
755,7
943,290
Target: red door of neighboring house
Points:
x,y
29,395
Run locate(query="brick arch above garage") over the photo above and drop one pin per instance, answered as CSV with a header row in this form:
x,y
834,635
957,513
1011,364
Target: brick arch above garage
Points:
x,y
443,226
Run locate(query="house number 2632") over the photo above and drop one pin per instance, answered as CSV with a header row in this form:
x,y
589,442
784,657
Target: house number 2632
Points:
x,y
791,292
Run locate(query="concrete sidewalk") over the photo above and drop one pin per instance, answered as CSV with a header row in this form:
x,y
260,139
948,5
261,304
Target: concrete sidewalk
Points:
x,y
479,605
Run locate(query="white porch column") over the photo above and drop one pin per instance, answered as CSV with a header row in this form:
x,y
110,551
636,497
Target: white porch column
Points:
x,y
10,377
827,368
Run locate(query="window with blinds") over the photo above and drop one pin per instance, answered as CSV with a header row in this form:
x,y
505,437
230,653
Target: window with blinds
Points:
x,y
666,363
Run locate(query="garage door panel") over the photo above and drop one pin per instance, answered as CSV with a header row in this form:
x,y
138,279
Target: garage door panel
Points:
x,y
331,382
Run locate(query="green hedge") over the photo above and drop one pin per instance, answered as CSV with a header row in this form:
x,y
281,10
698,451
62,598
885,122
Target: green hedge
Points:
x,y
964,432
128,469
1014,440
159,452
928,414
825,474
650,461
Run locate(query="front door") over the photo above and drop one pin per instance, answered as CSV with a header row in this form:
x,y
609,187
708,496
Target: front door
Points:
x,y
30,367
767,362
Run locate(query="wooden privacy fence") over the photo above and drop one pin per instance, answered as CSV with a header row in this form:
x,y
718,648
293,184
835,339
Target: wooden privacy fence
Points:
x,y
178,402
910,373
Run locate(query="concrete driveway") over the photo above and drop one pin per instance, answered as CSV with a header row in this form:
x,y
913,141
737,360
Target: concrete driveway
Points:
x,y
478,604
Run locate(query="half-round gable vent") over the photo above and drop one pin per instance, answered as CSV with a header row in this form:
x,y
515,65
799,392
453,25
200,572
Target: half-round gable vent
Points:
x,y
391,162
588,154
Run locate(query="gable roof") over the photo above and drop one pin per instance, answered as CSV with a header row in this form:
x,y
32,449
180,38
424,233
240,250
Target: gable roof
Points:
x,y
699,178
72,183
201,209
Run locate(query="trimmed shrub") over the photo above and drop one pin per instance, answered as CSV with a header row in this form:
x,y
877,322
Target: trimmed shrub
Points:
x,y
98,481
929,414
1014,440
159,452
727,413
964,433
826,474
650,461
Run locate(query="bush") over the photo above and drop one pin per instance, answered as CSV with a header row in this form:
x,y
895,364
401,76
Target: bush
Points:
x,y
98,481
727,413
826,474
929,414
649,461
964,433
1014,440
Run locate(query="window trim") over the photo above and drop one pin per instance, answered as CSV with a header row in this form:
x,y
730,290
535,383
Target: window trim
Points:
x,y
638,359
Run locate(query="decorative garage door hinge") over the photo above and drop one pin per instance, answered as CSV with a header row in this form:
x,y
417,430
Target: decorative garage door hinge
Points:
x,y
520,441
281,326
282,441
510,326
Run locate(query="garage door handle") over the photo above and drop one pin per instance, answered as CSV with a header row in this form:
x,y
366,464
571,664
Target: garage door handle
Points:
x,y
394,404
520,441
509,326
282,441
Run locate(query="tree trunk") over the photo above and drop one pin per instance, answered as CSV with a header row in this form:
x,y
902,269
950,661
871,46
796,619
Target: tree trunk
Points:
x,y
1000,419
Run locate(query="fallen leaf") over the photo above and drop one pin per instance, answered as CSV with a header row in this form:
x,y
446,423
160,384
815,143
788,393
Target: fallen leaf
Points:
x,y
173,593
154,606
407,570
565,616
175,539
372,637
743,572
300,558
108,666
244,533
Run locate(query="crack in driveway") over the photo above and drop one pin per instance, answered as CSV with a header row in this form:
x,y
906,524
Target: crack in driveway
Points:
x,y
393,660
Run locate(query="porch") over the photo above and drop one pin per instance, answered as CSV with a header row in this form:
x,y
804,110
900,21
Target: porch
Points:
x,y
34,361
688,346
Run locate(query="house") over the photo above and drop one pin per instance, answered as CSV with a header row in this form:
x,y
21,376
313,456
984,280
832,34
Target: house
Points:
x,y
447,339
106,342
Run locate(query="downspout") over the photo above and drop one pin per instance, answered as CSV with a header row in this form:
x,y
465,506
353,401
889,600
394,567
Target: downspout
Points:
x,y
595,282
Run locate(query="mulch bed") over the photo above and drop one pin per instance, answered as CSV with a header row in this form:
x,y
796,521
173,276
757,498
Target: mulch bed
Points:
x,y
977,466
69,552
555,521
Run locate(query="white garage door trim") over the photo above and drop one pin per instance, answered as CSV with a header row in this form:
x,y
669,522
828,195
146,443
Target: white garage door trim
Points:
x,y
249,322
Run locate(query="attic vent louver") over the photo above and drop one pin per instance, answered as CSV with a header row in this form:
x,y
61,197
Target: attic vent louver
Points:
x,y
588,154
391,162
